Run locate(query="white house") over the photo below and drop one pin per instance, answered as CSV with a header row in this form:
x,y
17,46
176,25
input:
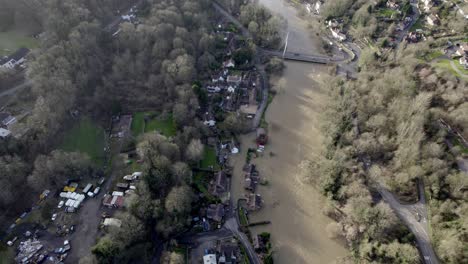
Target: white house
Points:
x,y
317,7
337,34
229,64
209,259
4,133
433,20
15,59
428,4
213,89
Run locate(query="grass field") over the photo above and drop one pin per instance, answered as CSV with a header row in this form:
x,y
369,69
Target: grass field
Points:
x,y
445,65
86,137
387,12
10,41
209,159
433,55
164,126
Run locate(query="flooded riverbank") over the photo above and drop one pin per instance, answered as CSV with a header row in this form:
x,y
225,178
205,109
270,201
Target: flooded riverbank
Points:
x,y
293,206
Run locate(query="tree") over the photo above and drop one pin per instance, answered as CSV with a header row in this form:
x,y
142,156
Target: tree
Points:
x,y
182,173
172,258
179,200
13,172
105,250
195,150
57,167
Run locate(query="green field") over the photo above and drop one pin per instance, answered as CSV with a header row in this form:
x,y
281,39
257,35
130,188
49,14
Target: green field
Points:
x,y
445,65
209,159
387,12
87,137
10,41
164,126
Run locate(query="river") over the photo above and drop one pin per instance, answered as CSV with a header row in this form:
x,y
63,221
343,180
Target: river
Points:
x,y
293,206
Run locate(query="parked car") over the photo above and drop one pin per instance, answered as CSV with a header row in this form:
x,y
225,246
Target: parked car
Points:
x,y
54,216
96,191
90,194
60,205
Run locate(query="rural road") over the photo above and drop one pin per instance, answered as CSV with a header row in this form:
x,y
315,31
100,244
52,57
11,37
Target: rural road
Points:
x,y
409,215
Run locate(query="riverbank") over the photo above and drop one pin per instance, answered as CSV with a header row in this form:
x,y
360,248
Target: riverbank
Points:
x,y
293,205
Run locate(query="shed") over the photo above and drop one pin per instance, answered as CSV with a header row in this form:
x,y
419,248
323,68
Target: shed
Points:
x,y
112,222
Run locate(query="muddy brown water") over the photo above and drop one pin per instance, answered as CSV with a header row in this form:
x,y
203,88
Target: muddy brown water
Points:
x,y
293,206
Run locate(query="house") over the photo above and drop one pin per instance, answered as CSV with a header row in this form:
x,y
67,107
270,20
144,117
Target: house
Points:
x,y
220,184
213,89
217,78
251,178
428,4
215,212
229,64
254,202
433,20
4,133
336,33
15,59
6,119
317,7
209,120
462,50
234,79
392,4
464,61
209,259
258,243
229,252
229,103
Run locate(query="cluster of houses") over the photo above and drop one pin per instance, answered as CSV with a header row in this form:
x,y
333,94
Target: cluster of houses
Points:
x,y
230,88
251,181
238,90
226,251
117,197
15,59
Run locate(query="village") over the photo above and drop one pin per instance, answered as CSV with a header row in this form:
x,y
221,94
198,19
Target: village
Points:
x,y
234,89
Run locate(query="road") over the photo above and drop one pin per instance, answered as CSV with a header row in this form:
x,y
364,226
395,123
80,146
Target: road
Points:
x,y
409,215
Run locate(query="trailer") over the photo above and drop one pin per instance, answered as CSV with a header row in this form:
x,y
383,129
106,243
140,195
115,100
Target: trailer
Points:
x,y
117,193
87,188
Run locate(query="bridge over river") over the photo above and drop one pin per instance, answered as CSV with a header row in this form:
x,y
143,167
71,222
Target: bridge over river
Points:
x,y
299,56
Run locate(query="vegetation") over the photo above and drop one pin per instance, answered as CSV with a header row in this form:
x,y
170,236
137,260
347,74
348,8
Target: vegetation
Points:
x,y
144,122
86,137
10,41
209,159
386,130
